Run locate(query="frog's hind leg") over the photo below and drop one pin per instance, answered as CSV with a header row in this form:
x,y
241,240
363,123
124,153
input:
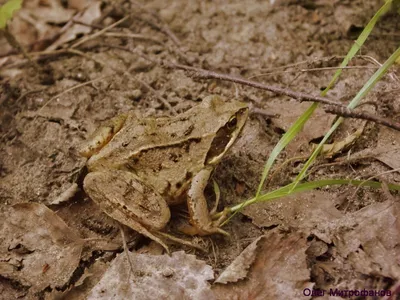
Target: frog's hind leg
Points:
x,y
125,198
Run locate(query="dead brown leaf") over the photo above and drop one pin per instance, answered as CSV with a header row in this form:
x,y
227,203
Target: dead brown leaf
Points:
x,y
239,267
179,276
370,238
278,272
289,111
388,148
311,212
91,13
37,248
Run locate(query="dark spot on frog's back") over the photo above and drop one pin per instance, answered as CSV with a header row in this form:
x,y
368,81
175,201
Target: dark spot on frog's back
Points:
x,y
186,145
189,130
173,135
174,157
179,120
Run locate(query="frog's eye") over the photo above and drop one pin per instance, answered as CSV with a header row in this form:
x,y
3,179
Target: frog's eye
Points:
x,y
232,122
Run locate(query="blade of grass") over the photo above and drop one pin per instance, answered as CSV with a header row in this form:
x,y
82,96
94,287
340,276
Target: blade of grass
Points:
x,y
358,43
308,186
286,138
356,100
7,10
299,124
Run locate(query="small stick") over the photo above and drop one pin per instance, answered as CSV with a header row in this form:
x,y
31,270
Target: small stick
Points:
x,y
333,106
158,96
373,177
206,74
348,113
98,33
163,28
132,36
14,43
71,89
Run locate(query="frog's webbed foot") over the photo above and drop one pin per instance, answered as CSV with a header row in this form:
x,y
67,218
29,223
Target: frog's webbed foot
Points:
x,y
204,230
179,241
200,218
125,198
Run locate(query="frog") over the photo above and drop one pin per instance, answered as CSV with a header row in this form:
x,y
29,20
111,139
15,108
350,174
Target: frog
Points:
x,y
139,167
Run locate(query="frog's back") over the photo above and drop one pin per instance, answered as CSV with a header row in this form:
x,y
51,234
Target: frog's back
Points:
x,y
167,152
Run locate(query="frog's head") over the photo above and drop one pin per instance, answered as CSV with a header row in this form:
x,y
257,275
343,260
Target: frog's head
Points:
x,y
231,118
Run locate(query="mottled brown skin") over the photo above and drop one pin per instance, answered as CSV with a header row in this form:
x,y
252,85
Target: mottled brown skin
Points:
x,y
139,167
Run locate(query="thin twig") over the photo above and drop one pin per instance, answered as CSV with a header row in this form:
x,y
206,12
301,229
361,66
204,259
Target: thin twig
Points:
x,y
179,241
83,54
98,33
163,27
132,36
206,74
348,113
158,96
332,106
14,43
312,70
95,26
71,89
373,177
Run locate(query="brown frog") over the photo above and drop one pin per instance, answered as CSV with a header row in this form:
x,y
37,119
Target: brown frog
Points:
x,y
137,167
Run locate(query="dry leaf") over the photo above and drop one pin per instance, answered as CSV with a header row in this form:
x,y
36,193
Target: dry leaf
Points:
x,y
91,13
278,272
312,212
371,239
329,150
37,248
388,148
289,111
239,267
179,276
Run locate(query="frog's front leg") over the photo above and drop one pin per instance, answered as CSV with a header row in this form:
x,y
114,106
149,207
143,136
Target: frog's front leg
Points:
x,y
125,198
197,205
102,135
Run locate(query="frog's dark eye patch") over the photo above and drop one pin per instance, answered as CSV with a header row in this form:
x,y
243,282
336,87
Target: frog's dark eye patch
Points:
x,y
222,139
232,122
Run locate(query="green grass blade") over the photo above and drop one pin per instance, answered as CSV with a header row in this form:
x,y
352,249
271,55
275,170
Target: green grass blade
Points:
x,y
299,124
286,138
308,186
356,100
7,10
354,49
358,43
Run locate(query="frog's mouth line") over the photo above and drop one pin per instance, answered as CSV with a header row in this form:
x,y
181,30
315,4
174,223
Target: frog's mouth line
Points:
x,y
226,136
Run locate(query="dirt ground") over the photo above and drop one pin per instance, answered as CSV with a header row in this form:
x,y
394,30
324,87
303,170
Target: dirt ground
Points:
x,y
56,243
